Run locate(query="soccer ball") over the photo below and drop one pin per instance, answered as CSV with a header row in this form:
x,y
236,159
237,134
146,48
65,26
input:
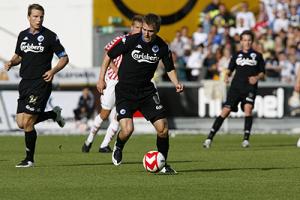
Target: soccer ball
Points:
x,y
153,161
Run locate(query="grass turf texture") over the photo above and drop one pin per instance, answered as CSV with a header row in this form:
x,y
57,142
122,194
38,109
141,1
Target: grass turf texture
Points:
x,y
270,169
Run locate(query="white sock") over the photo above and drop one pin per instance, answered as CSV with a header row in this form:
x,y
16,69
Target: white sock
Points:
x,y
94,129
110,133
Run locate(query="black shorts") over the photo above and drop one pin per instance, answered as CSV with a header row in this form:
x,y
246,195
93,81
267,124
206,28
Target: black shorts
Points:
x,y
236,95
146,100
33,95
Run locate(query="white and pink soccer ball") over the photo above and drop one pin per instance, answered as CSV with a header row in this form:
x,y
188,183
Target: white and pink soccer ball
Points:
x,y
153,161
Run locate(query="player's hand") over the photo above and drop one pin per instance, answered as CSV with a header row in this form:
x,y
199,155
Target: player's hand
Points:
x,y
48,76
179,87
253,80
297,87
7,65
101,85
226,79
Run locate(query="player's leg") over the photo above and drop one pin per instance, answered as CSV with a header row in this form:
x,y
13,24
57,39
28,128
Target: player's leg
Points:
x,y
162,142
102,116
127,128
107,103
248,124
110,132
33,97
54,114
27,121
230,105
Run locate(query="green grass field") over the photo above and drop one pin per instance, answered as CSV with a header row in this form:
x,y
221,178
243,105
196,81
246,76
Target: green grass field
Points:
x,y
270,169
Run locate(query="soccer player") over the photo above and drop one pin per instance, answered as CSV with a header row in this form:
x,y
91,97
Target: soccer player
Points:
x,y
249,67
297,89
108,97
34,50
135,91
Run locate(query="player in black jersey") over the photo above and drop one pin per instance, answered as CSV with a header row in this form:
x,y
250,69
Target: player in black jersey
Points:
x,y
34,50
135,91
249,67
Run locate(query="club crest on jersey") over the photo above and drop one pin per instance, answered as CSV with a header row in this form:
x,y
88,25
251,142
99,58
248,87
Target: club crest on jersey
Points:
x,y
40,38
253,55
122,111
155,48
124,40
142,57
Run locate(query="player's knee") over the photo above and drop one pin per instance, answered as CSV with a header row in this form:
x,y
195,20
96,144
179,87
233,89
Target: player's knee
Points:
x,y
128,130
163,132
27,124
20,125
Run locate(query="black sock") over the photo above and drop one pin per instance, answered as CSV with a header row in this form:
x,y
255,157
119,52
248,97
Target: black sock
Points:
x,y
247,127
216,126
30,140
163,146
46,115
120,143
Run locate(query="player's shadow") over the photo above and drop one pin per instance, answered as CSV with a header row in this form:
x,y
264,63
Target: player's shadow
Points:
x,y
237,169
110,163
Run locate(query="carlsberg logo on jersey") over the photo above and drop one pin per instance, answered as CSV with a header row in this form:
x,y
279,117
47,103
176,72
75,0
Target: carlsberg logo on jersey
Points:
x,y
142,57
246,61
30,47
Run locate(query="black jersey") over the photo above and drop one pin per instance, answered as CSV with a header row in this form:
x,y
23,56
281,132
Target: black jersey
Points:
x,y
140,59
246,65
37,52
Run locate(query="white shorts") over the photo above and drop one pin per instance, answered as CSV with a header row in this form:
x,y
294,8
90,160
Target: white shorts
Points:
x,y
108,98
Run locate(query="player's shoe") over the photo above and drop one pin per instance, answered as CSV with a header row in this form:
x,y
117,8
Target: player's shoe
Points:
x,y
245,144
298,143
117,155
86,148
59,119
25,163
207,143
168,170
106,149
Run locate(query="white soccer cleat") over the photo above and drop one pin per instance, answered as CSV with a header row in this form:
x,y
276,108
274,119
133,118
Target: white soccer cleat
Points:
x,y
59,119
116,155
25,164
298,143
245,144
207,143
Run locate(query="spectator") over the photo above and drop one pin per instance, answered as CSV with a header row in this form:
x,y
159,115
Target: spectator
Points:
x,y
195,63
287,71
272,67
199,37
85,107
245,14
281,22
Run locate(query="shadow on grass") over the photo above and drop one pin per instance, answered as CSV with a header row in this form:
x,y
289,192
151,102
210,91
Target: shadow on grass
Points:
x,y
123,163
238,169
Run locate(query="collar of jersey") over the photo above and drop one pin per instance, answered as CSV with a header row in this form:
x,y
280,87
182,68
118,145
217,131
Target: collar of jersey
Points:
x,y
41,29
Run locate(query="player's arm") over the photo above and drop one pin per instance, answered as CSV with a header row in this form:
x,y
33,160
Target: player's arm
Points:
x,y
101,82
261,71
15,60
63,58
297,84
254,79
170,68
173,77
62,62
228,74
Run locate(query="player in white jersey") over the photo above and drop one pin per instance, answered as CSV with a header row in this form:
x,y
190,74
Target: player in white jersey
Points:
x,y
108,97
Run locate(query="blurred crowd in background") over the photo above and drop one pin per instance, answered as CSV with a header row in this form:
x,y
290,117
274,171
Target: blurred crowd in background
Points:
x,y
205,54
